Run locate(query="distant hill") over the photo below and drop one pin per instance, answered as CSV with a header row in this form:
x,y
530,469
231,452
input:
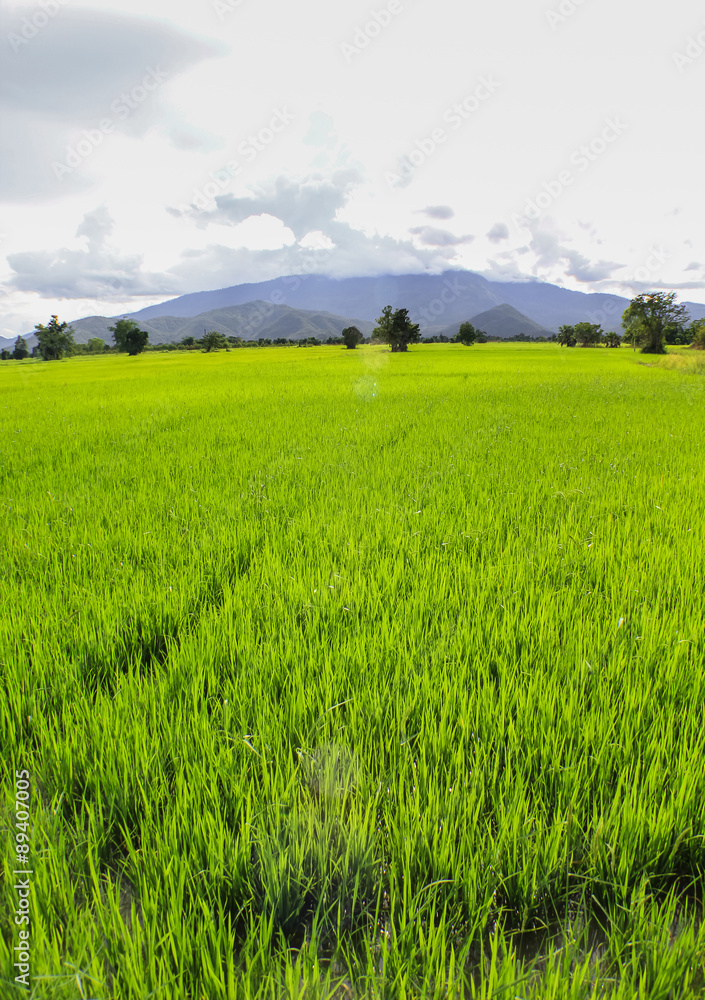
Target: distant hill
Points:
x,y
435,301
249,321
503,321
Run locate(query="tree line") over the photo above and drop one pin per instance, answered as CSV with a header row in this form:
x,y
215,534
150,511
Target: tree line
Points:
x,y
650,321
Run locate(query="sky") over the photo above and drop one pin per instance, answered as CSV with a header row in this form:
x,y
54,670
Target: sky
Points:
x,y
168,147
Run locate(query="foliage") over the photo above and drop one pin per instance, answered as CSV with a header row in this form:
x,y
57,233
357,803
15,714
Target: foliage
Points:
x,y
566,336
587,334
351,337
697,334
128,337
96,345
676,333
20,352
376,686
647,317
467,334
55,339
213,341
396,329
5,355
612,339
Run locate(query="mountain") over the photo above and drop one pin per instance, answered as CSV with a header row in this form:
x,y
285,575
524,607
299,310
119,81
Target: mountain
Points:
x,y
503,321
249,321
435,301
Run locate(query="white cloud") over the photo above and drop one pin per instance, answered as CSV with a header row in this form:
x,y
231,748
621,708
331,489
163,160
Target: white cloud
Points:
x,y
98,272
325,173
498,232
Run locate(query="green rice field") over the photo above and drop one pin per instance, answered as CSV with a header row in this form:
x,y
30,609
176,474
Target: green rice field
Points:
x,y
353,674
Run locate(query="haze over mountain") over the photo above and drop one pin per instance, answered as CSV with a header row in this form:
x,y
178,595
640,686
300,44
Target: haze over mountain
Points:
x,y
306,305
433,300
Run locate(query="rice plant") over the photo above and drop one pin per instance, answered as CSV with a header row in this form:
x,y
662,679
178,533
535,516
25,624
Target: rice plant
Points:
x,y
354,674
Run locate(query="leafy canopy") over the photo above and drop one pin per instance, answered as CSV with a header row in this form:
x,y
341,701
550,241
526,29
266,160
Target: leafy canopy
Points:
x,y
467,334
395,328
213,341
128,337
55,339
351,337
647,317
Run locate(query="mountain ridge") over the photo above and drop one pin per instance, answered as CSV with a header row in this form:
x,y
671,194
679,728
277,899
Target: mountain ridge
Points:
x,y
436,301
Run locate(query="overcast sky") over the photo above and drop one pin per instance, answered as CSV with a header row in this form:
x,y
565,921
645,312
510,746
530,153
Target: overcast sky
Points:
x,y
172,146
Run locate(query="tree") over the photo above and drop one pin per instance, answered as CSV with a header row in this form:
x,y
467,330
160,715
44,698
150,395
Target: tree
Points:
x,y
128,337
587,334
697,330
395,328
566,336
351,337
646,317
55,339
213,340
612,339
5,355
467,334
20,350
96,345
676,333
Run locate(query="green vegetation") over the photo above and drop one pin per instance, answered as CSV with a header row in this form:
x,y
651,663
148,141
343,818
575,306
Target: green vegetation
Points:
x,y
20,351
128,337
344,675
351,337
649,317
55,340
468,335
213,341
396,329
697,331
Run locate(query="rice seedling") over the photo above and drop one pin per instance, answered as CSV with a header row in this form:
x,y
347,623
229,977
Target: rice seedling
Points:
x,y
354,674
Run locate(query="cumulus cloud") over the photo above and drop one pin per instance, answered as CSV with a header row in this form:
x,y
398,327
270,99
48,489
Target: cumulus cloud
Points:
x,y
309,207
550,252
302,205
498,232
694,266
433,237
98,272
